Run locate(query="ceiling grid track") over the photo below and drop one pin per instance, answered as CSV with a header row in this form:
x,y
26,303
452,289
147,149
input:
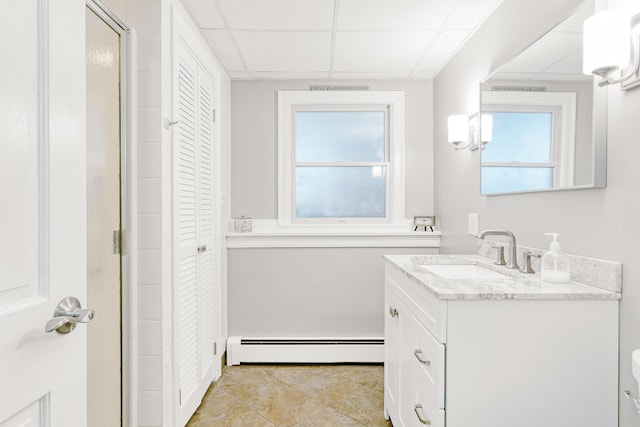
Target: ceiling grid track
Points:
x,y
433,41
334,31
233,39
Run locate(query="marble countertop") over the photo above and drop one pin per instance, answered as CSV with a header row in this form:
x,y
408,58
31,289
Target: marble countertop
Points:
x,y
514,285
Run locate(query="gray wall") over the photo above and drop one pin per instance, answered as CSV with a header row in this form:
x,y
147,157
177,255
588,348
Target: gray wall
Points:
x,y
254,148
600,223
308,292
312,292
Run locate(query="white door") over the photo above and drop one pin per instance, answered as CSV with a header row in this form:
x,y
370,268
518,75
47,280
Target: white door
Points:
x,y
43,215
194,224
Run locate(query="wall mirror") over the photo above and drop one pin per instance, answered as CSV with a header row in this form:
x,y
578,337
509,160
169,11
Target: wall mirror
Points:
x,y
548,119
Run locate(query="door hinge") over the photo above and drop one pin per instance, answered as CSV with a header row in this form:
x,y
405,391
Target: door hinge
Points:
x,y
180,396
214,115
215,348
119,242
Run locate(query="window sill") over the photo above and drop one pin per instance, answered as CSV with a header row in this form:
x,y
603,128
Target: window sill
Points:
x,y
266,236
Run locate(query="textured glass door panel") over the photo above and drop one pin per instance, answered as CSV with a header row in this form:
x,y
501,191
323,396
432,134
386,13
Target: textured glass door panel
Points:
x,y
19,153
520,137
507,179
340,136
103,217
341,192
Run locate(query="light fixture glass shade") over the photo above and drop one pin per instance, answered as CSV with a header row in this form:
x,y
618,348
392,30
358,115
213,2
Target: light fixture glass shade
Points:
x,y
458,126
606,42
486,128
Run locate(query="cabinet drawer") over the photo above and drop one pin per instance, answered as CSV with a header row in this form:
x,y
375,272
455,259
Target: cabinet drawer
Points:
x,y
427,357
428,308
419,410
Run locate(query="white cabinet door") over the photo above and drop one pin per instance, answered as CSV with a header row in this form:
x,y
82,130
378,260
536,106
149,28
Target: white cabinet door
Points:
x,y
392,323
43,215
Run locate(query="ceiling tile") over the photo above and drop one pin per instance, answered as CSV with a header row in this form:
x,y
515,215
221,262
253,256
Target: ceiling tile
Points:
x,y
545,52
380,51
441,49
278,14
370,76
509,76
224,49
575,22
422,75
239,75
392,15
470,13
570,64
285,51
284,75
581,78
205,13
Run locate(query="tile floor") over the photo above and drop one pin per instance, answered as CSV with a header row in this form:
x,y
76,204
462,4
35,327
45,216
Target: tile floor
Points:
x,y
294,395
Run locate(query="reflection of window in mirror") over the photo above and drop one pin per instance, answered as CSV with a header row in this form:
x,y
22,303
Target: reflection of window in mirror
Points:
x,y
512,161
533,145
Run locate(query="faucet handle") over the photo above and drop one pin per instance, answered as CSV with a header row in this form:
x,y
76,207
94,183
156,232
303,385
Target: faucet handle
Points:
x,y
499,255
526,261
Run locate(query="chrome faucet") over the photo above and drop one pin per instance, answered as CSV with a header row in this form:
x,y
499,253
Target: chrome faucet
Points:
x,y
512,262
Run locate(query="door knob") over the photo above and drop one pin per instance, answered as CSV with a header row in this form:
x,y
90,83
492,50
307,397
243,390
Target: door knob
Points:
x,y
67,315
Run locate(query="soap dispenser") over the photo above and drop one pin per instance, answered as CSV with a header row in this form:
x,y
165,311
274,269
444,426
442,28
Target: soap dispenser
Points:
x,y
555,264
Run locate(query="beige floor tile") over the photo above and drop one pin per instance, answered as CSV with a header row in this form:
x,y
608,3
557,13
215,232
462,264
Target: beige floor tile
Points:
x,y
294,395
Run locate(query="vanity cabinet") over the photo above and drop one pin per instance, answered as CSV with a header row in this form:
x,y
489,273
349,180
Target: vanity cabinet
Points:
x,y
494,361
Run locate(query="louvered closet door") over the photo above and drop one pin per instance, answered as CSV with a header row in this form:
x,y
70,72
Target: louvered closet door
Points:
x,y
193,231
206,230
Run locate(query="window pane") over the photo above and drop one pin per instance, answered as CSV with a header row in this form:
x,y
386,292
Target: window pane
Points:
x,y
341,192
503,180
340,136
520,137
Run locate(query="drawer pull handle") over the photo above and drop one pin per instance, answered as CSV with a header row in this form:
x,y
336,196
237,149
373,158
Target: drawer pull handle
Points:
x,y
393,312
417,353
418,410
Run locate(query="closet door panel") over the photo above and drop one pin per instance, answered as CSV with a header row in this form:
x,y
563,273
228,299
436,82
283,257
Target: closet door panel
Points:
x,y
206,231
185,140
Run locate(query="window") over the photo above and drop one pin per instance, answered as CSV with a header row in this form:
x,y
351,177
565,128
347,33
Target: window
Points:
x,y
341,158
533,141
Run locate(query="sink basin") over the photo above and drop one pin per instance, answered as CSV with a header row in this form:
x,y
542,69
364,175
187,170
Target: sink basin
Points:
x,y
463,271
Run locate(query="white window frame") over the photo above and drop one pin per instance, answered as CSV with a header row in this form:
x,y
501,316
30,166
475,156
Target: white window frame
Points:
x,y
390,101
562,107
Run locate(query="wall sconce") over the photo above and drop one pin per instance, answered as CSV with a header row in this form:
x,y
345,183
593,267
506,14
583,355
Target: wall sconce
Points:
x,y
458,126
471,133
611,41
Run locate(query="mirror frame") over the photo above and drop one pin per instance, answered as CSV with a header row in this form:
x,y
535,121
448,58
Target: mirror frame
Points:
x,y
598,126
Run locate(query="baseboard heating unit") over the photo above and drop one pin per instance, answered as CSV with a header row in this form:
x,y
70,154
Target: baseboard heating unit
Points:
x,y
304,350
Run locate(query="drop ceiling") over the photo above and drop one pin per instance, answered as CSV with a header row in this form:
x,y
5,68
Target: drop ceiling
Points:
x,y
337,39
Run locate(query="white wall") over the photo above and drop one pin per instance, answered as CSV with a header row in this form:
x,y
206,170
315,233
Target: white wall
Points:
x,y
600,223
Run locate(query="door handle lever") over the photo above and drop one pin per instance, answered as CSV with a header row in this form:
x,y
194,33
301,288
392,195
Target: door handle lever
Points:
x,y
59,321
67,314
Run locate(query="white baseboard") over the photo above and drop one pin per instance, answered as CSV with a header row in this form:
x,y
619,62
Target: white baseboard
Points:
x,y
304,350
